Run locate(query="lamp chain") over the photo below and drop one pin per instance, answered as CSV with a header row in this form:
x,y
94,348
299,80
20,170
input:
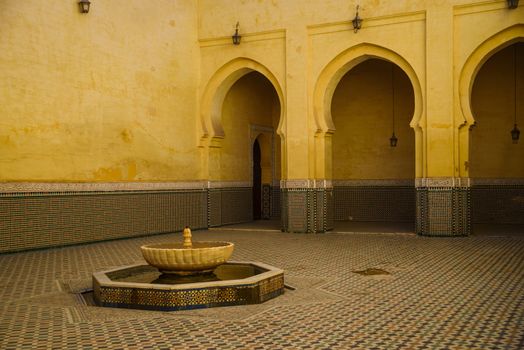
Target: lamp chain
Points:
x,y
515,79
393,94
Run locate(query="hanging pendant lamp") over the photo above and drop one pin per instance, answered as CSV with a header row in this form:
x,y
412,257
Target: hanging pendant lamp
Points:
x,y
515,132
393,139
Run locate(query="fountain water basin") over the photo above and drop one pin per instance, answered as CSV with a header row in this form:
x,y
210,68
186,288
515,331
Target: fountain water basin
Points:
x,y
187,275
202,257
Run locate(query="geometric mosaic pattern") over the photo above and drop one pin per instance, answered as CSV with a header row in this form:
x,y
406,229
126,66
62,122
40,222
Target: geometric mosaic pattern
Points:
x,y
440,293
378,203
166,299
498,204
307,210
229,205
443,211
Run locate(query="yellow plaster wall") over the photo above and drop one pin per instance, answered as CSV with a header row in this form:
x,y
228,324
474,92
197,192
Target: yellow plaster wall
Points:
x,y
104,96
114,95
471,47
492,152
252,100
362,113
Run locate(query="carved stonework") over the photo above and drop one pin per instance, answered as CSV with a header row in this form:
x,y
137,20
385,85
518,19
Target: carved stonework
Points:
x,y
228,184
443,182
26,187
306,183
373,182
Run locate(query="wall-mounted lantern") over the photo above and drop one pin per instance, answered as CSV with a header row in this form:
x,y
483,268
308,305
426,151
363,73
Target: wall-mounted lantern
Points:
x,y
84,6
236,37
513,4
357,22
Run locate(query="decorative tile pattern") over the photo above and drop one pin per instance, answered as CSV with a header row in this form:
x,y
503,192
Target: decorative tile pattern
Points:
x,y
266,201
443,182
229,205
305,210
374,183
443,293
267,284
275,202
500,204
61,187
376,203
28,222
443,211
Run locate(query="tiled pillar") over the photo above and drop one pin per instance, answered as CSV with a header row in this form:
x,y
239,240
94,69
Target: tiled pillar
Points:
x,y
307,206
443,207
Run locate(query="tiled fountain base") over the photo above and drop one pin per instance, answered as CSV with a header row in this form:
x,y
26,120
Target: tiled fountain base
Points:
x,y
125,287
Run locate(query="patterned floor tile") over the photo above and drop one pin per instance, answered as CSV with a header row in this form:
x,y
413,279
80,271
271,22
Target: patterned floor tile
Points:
x,y
439,293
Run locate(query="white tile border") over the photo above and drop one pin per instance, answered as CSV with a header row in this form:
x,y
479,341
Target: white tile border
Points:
x,y
374,182
443,182
53,187
43,187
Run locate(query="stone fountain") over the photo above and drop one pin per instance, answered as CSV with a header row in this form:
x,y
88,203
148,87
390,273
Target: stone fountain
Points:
x,y
187,258
188,275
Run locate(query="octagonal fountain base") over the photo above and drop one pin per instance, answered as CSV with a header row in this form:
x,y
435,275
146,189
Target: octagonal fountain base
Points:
x,y
144,287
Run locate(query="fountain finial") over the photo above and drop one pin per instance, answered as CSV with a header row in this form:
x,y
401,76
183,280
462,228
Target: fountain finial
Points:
x,y
187,238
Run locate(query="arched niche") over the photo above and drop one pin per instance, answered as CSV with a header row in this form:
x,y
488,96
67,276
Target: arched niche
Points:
x,y
217,89
333,72
475,61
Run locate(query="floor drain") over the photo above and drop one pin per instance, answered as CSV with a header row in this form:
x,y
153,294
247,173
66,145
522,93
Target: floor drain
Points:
x,y
372,272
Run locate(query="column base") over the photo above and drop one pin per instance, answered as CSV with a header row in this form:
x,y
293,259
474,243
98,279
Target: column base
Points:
x,y
443,207
306,206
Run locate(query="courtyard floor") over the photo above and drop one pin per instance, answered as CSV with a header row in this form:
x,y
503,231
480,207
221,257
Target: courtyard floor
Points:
x,y
440,293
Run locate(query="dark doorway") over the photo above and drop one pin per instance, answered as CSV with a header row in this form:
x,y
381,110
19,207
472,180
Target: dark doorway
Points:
x,y
257,182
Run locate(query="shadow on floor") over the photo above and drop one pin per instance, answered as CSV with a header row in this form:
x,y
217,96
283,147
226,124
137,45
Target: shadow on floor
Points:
x,y
374,227
257,225
497,230
484,230
340,227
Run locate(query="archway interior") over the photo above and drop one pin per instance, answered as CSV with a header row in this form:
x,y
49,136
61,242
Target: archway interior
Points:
x,y
374,182
495,162
250,117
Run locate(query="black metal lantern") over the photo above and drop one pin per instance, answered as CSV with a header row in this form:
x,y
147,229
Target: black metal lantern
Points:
x,y
357,22
84,6
236,37
513,4
393,140
515,134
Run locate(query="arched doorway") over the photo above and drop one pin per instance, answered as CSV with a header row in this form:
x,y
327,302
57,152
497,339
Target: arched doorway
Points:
x,y
496,161
250,151
373,178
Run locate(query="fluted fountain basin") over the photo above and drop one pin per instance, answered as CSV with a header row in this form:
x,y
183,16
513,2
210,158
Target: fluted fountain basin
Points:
x,y
202,257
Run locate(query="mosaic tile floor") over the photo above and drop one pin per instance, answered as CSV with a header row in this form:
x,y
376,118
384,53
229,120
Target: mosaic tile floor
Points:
x,y
440,293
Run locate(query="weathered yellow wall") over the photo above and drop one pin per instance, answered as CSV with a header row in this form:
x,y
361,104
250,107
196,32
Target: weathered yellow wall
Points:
x,y
492,152
251,101
104,96
362,113
115,95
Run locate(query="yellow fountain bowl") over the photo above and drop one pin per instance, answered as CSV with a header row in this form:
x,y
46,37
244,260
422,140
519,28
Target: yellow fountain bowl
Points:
x,y
174,258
